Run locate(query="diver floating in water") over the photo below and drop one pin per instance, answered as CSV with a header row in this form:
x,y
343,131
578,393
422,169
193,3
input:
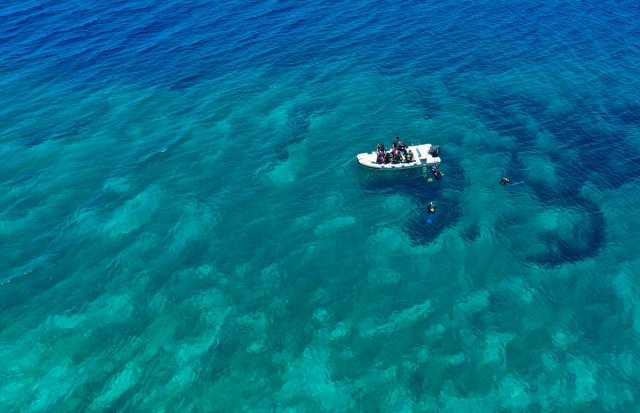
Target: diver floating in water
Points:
x,y
431,209
436,172
506,181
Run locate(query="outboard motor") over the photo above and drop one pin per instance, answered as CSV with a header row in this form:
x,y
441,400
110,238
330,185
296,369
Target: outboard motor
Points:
x,y
434,150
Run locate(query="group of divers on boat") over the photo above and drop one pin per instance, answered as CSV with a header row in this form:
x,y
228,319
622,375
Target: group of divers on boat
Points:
x,y
397,154
400,154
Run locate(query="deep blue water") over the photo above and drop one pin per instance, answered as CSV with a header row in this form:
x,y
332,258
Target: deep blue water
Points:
x,y
183,226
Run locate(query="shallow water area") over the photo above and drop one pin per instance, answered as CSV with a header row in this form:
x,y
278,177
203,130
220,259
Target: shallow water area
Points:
x,y
184,227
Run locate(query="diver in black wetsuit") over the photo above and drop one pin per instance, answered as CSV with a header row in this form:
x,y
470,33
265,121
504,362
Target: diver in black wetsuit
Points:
x,y
409,156
436,172
504,181
402,147
431,208
394,144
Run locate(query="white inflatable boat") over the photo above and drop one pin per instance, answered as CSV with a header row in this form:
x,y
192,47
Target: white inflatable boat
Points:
x,y
423,155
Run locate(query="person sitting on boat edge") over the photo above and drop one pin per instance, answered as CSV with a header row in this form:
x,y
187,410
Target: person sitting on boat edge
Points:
x,y
504,181
402,147
409,156
397,158
387,157
381,148
380,158
431,208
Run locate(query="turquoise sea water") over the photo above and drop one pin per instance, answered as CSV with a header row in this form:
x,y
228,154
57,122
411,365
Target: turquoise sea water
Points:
x,y
183,225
